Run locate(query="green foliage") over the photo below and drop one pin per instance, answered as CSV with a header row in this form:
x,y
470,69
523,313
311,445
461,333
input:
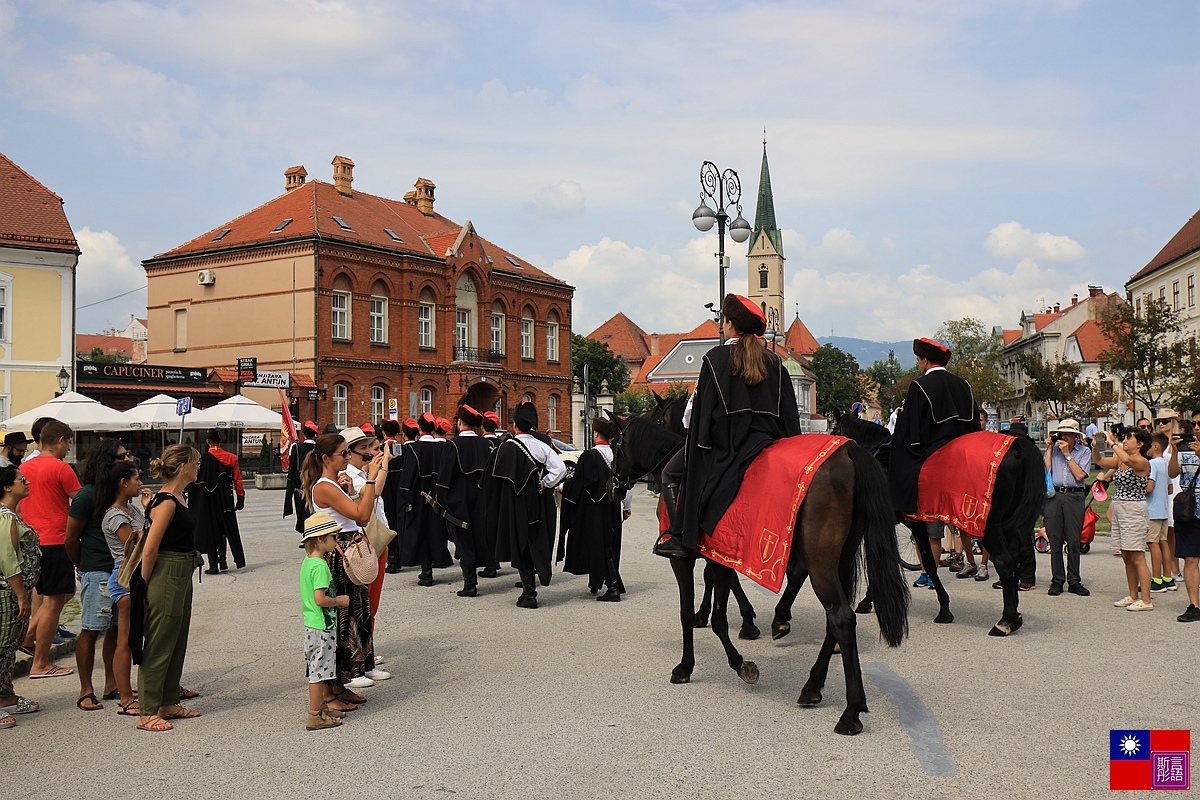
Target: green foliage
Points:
x,y
98,356
633,401
603,365
1145,351
1184,387
1058,385
975,358
884,375
837,375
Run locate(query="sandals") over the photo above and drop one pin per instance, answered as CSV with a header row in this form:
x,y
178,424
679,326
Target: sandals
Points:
x,y
7,721
23,706
348,696
129,709
96,705
179,713
188,694
53,672
155,724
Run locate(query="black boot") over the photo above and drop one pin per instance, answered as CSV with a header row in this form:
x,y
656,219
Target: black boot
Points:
x,y
470,589
488,572
669,545
425,578
613,595
528,598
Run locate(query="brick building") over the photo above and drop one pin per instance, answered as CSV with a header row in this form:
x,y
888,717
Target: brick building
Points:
x,y
381,306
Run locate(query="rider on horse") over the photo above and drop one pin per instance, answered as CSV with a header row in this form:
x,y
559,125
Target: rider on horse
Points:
x,y
939,407
744,401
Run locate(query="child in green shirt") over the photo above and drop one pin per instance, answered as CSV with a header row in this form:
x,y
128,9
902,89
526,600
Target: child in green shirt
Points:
x,y
320,627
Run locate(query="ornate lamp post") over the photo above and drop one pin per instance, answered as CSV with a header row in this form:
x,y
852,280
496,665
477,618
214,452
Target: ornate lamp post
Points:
x,y
64,380
725,189
772,333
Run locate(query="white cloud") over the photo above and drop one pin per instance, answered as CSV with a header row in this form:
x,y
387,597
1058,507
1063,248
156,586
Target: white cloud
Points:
x,y
1012,240
839,248
105,270
558,200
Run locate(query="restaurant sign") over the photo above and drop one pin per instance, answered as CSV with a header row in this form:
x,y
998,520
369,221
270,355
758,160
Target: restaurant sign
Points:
x,y
137,373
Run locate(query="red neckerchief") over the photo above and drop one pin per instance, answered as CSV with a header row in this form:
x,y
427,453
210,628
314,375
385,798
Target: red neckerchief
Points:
x,y
602,441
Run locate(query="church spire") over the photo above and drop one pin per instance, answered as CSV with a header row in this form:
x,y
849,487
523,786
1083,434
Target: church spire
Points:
x,y
764,214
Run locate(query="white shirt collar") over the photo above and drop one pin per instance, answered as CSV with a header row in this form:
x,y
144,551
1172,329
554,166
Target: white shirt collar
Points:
x,y
935,368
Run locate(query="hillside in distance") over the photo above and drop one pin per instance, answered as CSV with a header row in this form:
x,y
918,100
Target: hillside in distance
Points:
x,y
868,352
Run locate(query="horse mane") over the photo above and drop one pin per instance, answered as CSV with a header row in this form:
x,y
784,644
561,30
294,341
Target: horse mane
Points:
x,y
648,443
867,434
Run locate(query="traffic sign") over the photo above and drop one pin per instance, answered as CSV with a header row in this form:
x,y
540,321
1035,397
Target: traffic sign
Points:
x,y
183,406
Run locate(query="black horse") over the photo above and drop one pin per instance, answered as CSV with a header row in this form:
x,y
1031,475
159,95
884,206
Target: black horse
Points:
x,y
1017,500
847,504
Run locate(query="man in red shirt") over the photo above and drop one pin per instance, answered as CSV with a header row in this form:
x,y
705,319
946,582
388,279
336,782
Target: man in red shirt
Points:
x,y
52,484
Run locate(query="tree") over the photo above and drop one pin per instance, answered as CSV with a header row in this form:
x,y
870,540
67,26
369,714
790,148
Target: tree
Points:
x,y
98,356
603,365
837,375
976,357
1145,350
1058,385
1184,387
884,375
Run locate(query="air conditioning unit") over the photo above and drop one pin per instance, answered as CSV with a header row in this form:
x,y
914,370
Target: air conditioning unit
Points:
x,y
206,277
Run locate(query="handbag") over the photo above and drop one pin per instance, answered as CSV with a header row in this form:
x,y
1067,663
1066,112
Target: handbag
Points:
x,y
359,559
134,546
379,534
1184,504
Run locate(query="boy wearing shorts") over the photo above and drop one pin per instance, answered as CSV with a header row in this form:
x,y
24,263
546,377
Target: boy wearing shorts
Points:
x,y
1158,504
318,604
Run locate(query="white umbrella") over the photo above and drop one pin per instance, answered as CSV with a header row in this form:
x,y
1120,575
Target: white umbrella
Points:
x,y
81,413
157,412
238,411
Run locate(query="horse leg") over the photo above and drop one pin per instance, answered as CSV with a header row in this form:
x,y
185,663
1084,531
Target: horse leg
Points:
x,y
781,625
864,605
1004,559
810,695
722,576
922,539
705,609
684,570
749,629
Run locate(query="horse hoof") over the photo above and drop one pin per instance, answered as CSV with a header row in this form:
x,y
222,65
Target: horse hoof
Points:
x,y
1003,628
749,632
863,608
810,697
748,672
678,677
944,617
700,622
848,727
780,629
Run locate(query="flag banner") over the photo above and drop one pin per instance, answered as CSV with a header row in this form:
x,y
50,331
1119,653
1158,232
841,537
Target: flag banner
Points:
x,y
1149,759
287,433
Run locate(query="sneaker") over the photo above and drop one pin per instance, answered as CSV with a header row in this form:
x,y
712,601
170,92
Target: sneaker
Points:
x,y
1026,587
923,580
982,574
1157,585
319,721
1124,602
361,682
997,585
1170,584
1138,605
63,633
1191,615
378,660
378,674
967,571
1079,589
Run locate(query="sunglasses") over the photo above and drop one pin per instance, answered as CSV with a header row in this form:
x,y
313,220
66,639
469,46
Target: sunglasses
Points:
x,y
122,457
1167,421
344,453
1144,427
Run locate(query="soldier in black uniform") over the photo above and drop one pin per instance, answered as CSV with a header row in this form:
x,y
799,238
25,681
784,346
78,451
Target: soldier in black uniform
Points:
x,y
939,407
592,513
458,476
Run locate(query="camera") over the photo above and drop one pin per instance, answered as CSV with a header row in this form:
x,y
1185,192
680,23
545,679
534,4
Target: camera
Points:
x,y
1186,438
1056,437
396,448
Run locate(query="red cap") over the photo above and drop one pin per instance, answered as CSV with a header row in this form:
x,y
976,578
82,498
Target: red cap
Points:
x,y
493,416
753,308
443,425
410,423
367,428
473,411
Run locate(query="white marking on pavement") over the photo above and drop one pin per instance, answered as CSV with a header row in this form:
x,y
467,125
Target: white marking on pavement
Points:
x,y
925,737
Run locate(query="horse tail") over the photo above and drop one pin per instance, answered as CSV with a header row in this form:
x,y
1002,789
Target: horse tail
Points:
x,y
1031,485
874,522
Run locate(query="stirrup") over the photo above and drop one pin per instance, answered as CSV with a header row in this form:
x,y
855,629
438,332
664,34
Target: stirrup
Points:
x,y
669,546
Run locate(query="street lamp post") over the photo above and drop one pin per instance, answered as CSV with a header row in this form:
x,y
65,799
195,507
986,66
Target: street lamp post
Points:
x,y
725,189
64,380
772,333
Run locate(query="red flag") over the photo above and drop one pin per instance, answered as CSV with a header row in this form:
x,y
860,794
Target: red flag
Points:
x,y
288,437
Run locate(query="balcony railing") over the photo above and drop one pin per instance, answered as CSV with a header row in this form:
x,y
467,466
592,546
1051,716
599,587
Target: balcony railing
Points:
x,y
478,356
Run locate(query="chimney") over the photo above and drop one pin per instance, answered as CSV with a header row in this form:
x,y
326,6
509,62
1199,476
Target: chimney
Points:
x,y
1056,308
293,177
422,197
1074,299
1095,291
343,175
654,344
1029,323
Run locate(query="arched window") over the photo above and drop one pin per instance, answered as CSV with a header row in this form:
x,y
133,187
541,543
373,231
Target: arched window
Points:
x,y
339,308
425,327
552,413
497,343
378,410
341,394
527,333
426,400
762,276
379,313
466,304
552,337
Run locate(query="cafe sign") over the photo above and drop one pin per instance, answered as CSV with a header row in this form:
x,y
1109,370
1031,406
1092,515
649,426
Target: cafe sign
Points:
x,y
138,373
271,380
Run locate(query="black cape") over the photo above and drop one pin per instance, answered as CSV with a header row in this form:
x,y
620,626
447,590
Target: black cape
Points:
x,y
939,406
211,500
524,535
590,522
463,461
293,497
424,532
731,424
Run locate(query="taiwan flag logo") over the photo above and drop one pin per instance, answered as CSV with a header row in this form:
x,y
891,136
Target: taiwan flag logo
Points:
x,y
1149,759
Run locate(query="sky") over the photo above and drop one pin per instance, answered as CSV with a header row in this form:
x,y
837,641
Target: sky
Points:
x,y
930,160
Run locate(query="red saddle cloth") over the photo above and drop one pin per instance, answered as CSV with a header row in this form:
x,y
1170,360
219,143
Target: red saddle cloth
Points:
x,y
957,481
755,535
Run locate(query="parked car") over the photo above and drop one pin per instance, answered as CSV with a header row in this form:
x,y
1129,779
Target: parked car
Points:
x,y
570,454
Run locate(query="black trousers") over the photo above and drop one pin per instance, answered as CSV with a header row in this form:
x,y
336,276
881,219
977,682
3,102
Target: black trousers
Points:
x,y
1064,524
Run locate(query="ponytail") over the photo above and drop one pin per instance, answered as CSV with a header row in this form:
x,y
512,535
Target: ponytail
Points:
x,y
750,359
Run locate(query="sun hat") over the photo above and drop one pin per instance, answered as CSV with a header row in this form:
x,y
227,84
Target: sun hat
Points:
x,y
1068,425
355,434
319,524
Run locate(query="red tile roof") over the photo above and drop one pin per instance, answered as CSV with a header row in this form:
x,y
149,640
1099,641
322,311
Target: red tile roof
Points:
x,y
312,208
31,216
623,337
1092,341
1185,242
109,345
1012,334
799,339
666,343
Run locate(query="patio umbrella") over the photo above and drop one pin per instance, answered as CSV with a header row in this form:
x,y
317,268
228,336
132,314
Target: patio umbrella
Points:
x,y
81,413
238,411
157,412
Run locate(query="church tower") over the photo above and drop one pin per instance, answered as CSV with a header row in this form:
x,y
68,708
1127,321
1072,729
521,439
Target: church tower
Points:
x,y
765,258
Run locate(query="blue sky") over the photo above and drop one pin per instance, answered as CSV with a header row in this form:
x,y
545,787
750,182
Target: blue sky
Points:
x,y
930,160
